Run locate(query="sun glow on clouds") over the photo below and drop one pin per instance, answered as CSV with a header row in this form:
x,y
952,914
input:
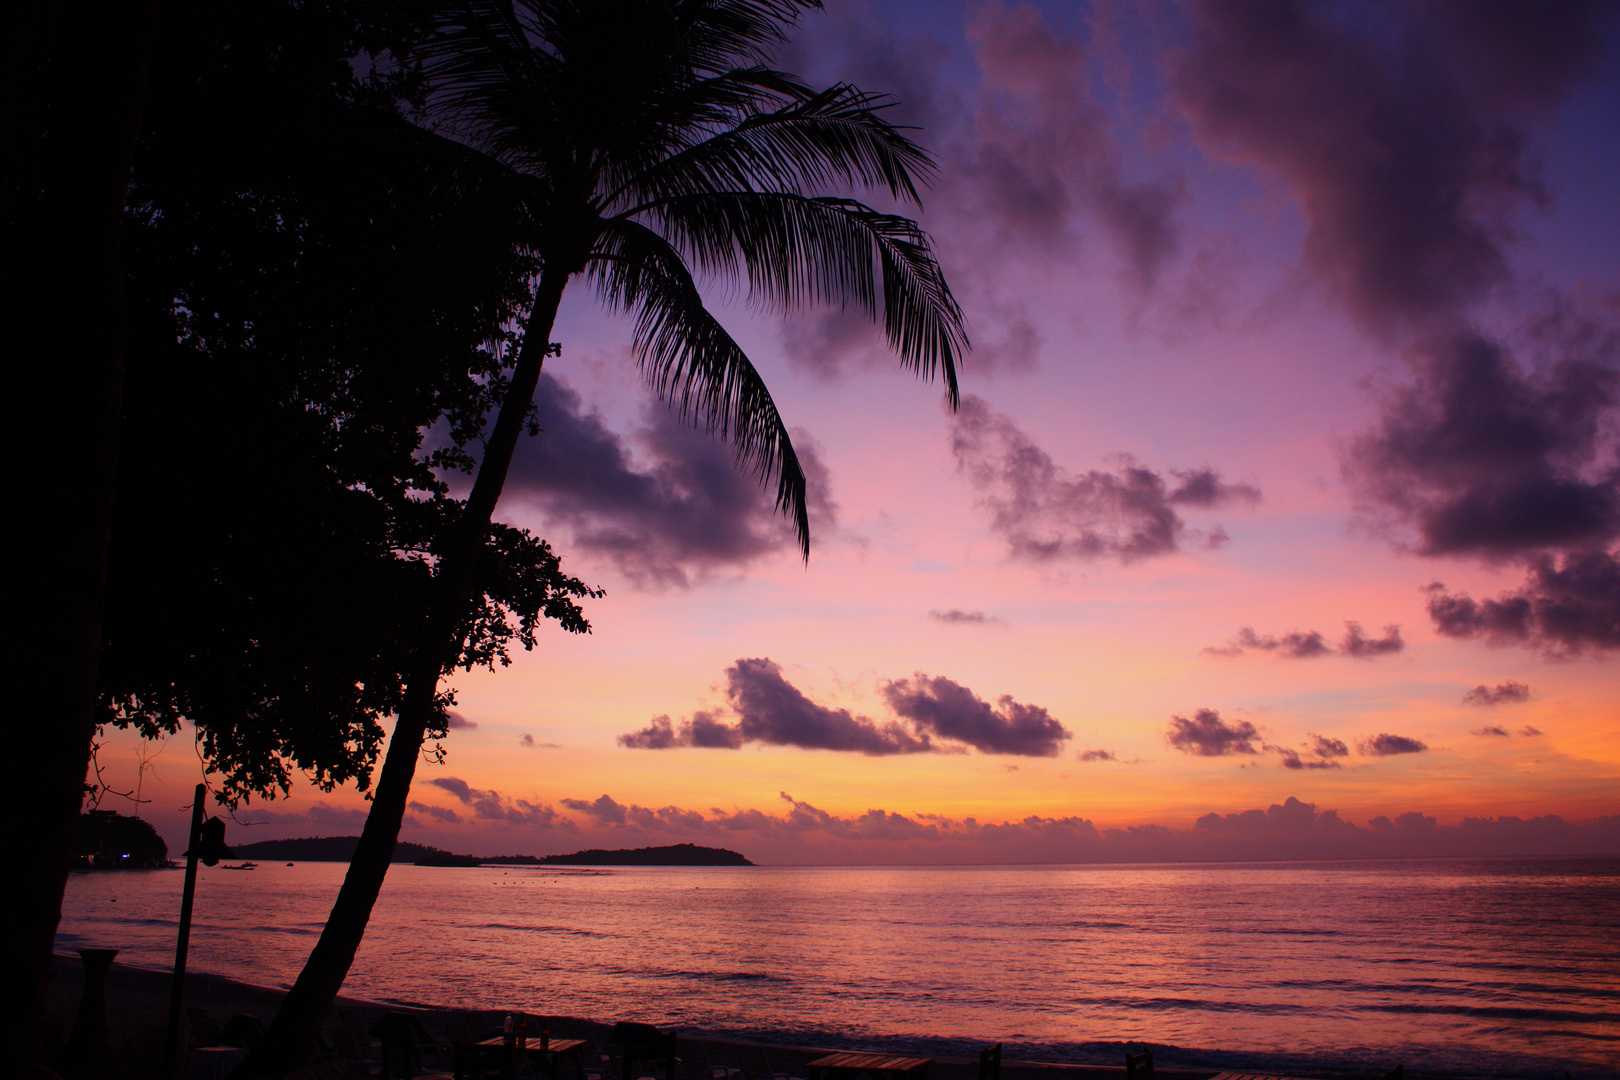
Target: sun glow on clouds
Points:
x,y
1279,468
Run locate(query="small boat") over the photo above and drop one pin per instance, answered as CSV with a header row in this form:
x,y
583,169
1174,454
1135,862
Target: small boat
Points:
x,y
242,866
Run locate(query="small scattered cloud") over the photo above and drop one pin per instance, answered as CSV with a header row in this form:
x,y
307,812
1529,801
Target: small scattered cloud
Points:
x,y
1386,745
1504,693
493,806
454,721
1529,732
958,617
936,715
1098,755
1306,644
1207,735
1491,730
526,740
949,710
1046,513
442,814
1319,752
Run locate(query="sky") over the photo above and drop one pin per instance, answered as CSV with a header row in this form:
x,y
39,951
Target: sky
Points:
x,y
1280,517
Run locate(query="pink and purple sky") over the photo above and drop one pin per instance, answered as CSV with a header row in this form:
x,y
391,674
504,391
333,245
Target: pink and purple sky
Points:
x,y
1281,516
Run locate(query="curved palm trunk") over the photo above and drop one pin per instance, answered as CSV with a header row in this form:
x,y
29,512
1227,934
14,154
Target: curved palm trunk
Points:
x,y
291,1039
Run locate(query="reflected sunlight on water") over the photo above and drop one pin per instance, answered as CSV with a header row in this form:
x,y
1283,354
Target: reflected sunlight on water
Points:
x,y
1499,967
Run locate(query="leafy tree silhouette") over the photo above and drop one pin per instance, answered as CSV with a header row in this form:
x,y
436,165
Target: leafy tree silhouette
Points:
x,y
631,140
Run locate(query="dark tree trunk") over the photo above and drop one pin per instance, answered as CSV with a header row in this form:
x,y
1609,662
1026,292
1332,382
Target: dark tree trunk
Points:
x,y
76,85
291,1039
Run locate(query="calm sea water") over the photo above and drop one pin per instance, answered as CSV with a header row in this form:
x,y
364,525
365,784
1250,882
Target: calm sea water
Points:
x,y
1475,968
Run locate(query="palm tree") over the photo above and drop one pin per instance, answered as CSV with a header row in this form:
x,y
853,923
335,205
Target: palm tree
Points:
x,y
631,144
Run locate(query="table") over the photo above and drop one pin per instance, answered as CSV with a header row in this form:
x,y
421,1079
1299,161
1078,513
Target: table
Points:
x,y
849,1064
547,1056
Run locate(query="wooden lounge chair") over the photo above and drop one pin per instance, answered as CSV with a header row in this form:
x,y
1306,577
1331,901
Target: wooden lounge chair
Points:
x,y
1139,1066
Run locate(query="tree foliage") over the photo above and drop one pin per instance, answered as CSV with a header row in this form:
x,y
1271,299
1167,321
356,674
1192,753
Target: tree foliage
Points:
x,y
316,334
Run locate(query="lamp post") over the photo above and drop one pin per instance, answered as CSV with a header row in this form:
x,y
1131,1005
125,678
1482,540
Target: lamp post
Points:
x,y
206,842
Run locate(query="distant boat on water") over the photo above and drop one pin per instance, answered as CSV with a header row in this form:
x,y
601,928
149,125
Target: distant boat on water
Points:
x,y
242,866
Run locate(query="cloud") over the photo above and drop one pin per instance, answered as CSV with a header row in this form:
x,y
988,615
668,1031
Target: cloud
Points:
x,y
1408,185
1565,607
1529,732
937,705
936,715
687,513
1304,645
456,722
1490,730
1292,829
958,617
1481,459
1207,735
493,806
525,740
1296,645
1105,755
1361,647
1387,745
1505,693
441,814
1320,752
1046,513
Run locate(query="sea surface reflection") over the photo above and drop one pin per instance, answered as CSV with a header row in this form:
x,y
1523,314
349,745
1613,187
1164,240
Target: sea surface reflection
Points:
x,y
1476,967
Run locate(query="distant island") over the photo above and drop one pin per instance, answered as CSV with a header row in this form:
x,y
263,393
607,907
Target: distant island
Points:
x,y
341,849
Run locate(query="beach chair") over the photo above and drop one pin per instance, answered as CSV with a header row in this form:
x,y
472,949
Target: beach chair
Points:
x,y
643,1049
204,1032
1139,1066
990,1063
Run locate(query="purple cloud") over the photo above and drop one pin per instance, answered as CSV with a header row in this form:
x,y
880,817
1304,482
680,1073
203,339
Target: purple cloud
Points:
x,y
946,709
1505,693
685,514
1045,512
1408,183
1386,745
1207,735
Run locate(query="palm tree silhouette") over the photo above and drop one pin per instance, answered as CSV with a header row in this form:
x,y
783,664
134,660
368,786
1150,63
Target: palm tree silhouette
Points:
x,y
629,143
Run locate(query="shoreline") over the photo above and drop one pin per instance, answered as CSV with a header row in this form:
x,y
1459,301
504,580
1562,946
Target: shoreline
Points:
x,y
138,1009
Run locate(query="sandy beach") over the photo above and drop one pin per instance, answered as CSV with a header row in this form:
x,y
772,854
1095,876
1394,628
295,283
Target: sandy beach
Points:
x,y
138,1006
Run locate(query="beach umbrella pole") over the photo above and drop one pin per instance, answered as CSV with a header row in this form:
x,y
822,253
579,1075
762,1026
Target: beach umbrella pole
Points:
x,y
185,934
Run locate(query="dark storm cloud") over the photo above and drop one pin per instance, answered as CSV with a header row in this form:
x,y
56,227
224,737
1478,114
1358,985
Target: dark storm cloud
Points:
x,y
1482,459
1565,607
1401,132
1207,735
947,709
958,617
1504,693
688,512
1045,513
1387,745
936,714
1303,645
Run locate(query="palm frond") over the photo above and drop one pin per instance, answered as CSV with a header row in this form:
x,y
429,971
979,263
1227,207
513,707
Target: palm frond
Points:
x,y
796,250
690,361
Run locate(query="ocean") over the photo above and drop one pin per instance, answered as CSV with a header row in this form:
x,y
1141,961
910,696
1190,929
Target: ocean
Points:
x,y
1481,968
